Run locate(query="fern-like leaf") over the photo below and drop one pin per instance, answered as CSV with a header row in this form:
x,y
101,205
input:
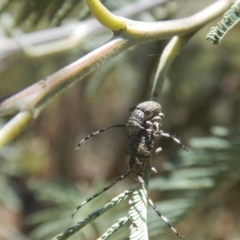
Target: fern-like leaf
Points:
x,y
72,230
230,19
116,226
138,215
63,11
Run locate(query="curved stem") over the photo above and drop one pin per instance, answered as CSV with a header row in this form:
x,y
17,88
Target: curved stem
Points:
x,y
105,17
152,31
169,54
14,127
33,98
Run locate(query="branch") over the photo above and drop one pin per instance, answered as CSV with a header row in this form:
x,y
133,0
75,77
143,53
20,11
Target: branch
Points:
x,y
152,31
168,55
14,127
105,17
33,98
63,38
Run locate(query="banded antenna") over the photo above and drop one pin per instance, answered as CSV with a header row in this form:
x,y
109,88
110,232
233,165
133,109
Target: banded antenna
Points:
x,y
98,132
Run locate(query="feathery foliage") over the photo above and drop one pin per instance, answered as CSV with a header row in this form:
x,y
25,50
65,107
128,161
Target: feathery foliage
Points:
x,y
230,19
34,11
192,183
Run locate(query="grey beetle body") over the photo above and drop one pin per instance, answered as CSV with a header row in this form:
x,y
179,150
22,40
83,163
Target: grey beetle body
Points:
x,y
142,115
142,131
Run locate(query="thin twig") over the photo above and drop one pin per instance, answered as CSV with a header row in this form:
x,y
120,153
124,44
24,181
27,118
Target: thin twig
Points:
x,y
33,98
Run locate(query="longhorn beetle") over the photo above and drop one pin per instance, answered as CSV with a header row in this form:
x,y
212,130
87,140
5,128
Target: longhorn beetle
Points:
x,y
142,130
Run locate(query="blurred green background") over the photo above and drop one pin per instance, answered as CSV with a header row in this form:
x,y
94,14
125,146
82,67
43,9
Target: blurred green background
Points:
x,y
42,178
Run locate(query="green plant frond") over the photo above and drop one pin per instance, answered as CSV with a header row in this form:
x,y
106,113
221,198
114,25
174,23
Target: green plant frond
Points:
x,y
49,228
115,227
52,12
230,19
55,193
31,9
8,196
34,11
72,230
175,210
39,12
26,9
198,178
55,7
224,132
172,184
212,173
65,9
209,142
138,216
84,10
